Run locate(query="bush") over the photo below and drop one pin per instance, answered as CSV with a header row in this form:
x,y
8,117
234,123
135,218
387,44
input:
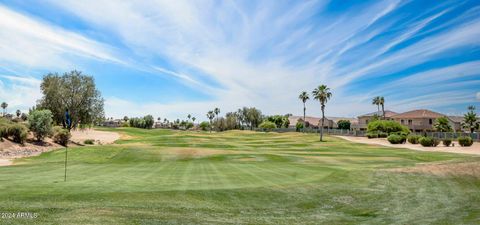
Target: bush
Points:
x,y
89,142
413,139
382,135
267,126
18,132
62,137
427,142
447,142
40,123
396,139
387,126
436,142
465,141
372,135
299,126
204,125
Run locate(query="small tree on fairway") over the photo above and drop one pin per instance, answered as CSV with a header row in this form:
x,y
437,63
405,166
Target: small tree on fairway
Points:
x,y
322,94
344,124
304,97
40,123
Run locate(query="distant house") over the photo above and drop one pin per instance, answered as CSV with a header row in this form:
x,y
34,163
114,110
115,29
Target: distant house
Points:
x,y
113,123
314,122
363,120
423,120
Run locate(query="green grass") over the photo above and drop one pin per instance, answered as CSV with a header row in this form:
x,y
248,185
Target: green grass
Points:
x,y
163,176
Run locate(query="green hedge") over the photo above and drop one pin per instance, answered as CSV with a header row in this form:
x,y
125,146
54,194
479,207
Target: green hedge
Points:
x,y
447,142
386,126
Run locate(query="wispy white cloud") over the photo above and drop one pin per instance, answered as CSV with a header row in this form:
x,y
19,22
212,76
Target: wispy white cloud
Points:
x,y
261,53
20,92
31,43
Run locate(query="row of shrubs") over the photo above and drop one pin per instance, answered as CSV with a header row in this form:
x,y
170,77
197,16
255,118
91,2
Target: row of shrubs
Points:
x,y
15,131
427,141
18,132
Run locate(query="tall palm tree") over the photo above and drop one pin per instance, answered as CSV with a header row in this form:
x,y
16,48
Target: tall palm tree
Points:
x,y
18,113
210,116
381,101
193,119
216,111
188,117
376,101
4,107
304,97
322,94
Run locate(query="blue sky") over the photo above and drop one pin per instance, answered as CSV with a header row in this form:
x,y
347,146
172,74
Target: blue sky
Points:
x,y
170,58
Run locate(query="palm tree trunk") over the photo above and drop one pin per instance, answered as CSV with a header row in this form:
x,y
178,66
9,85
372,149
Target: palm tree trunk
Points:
x,y
383,111
304,109
323,121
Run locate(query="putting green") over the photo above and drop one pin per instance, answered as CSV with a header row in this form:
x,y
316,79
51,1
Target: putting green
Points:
x,y
163,176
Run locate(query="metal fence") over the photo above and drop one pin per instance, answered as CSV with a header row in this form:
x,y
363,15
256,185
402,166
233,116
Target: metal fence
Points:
x,y
363,133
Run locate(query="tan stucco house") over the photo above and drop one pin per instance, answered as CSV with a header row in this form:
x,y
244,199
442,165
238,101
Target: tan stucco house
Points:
x,y
423,120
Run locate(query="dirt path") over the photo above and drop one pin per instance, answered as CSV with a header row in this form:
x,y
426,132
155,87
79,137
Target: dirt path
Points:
x,y
474,149
10,150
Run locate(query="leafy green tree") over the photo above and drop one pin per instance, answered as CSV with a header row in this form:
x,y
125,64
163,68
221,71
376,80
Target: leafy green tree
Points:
x,y
322,94
204,125
74,92
18,113
470,120
125,118
267,125
442,125
41,123
4,107
304,97
149,121
344,124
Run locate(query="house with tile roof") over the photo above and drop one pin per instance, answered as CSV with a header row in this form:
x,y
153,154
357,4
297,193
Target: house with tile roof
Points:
x,y
422,120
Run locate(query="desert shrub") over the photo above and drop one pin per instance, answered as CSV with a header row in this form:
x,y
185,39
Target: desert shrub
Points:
x,y
40,123
62,137
372,135
267,126
386,126
89,142
447,142
396,139
18,132
204,125
427,141
413,139
465,141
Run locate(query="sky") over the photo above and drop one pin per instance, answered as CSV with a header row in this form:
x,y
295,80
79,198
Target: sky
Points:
x,y
173,58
